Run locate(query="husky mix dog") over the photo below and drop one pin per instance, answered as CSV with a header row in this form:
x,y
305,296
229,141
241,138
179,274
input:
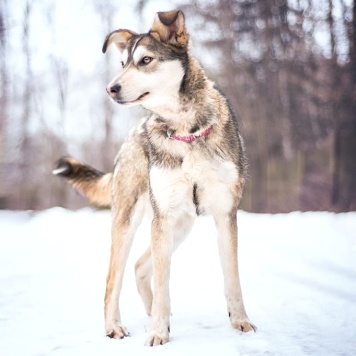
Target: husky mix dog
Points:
x,y
185,159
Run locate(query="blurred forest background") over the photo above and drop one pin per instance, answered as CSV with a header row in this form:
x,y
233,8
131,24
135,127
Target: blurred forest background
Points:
x,y
288,67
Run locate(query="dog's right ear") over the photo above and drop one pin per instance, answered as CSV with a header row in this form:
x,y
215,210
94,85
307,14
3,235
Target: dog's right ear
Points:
x,y
169,27
119,37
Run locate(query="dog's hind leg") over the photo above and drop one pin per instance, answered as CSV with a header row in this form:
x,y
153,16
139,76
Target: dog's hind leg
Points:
x,y
143,272
144,268
227,242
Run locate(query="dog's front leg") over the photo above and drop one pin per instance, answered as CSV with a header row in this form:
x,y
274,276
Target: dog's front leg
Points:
x,y
227,241
161,246
125,219
120,246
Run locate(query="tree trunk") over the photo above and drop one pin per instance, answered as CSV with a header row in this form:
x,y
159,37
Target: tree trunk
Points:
x,y
344,182
3,102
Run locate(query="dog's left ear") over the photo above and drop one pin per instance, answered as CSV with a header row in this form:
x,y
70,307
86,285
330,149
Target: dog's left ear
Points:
x,y
169,27
119,37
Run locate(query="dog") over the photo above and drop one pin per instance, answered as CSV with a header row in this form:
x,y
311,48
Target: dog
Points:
x,y
185,159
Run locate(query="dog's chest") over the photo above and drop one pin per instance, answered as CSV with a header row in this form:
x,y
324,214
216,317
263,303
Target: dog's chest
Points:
x,y
213,180
208,170
202,184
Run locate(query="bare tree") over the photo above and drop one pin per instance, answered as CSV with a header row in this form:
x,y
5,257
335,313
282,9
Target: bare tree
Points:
x,y
344,178
23,191
108,147
3,99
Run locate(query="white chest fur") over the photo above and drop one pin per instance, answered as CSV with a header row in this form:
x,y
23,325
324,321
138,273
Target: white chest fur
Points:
x,y
213,180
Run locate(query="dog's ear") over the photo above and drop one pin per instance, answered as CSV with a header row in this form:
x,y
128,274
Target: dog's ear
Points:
x,y
119,37
169,27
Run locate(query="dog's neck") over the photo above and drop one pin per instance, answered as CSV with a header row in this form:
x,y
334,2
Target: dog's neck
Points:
x,y
188,104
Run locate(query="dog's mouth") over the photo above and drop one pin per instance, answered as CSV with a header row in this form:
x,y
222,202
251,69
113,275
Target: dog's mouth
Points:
x,y
133,101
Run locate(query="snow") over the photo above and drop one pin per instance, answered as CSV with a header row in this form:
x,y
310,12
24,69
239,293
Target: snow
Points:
x,y
298,273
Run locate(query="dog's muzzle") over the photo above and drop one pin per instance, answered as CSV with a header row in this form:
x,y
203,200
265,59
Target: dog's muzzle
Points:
x,y
114,90
114,93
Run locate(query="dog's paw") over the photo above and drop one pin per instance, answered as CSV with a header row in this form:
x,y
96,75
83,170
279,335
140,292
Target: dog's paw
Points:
x,y
243,325
117,331
155,339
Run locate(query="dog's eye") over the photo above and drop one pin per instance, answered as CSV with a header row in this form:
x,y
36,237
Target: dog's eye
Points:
x,y
145,60
122,64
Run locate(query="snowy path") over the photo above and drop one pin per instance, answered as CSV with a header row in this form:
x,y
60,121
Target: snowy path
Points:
x,y
298,276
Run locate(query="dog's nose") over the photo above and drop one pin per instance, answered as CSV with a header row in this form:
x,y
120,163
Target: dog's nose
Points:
x,y
114,89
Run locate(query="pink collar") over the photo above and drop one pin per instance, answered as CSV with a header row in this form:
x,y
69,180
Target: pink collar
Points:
x,y
192,137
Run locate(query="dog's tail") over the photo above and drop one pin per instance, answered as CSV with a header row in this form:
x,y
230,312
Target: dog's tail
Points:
x,y
88,181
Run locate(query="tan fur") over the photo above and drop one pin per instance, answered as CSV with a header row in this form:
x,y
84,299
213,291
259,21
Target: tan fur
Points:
x,y
174,180
119,37
166,23
88,181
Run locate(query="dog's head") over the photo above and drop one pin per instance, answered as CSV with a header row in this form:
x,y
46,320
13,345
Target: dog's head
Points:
x,y
153,63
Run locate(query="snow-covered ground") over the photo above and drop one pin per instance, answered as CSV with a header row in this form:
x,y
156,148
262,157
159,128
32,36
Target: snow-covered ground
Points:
x,y
298,275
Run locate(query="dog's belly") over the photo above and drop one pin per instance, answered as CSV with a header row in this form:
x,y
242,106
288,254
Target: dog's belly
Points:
x,y
200,185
